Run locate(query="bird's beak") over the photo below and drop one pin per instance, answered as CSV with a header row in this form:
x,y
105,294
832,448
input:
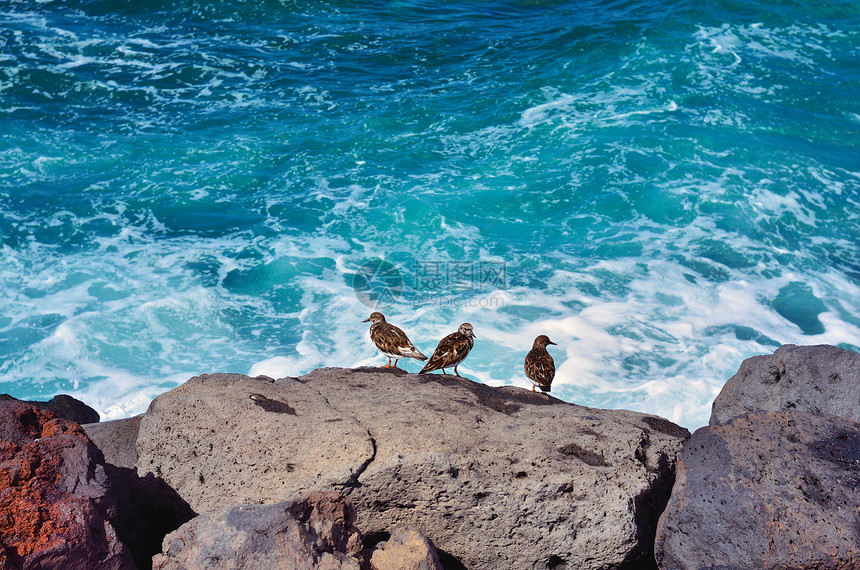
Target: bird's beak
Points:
x,y
474,335
366,321
551,342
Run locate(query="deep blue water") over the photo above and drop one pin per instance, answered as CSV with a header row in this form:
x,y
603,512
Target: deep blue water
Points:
x,y
663,187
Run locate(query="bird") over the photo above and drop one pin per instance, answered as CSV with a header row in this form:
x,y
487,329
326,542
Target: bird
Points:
x,y
452,350
391,341
539,365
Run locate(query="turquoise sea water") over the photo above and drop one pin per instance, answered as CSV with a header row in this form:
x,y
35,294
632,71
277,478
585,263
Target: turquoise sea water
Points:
x,y
663,187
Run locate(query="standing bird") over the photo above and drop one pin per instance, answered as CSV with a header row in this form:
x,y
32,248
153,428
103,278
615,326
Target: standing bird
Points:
x,y
539,365
452,350
391,341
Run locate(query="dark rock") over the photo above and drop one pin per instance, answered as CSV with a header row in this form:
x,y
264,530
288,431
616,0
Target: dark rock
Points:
x,y
495,477
821,379
309,532
767,490
117,439
64,407
55,500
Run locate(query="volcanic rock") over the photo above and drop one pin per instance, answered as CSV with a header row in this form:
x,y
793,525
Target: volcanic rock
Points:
x,y
495,477
819,379
767,490
63,406
55,499
309,532
218,447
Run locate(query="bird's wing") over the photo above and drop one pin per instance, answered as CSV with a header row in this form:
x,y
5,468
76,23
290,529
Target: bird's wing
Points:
x,y
540,368
391,340
451,350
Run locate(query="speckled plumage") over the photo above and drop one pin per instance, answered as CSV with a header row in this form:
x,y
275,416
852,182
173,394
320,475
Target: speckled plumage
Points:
x,y
391,341
452,350
539,365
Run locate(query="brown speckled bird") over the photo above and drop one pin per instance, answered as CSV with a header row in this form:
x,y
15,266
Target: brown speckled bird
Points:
x,y
452,350
539,365
391,341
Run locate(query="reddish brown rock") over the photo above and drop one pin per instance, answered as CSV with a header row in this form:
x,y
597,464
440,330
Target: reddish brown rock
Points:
x,y
55,501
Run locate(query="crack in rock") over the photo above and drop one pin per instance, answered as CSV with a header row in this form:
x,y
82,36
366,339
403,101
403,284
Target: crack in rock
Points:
x,y
352,482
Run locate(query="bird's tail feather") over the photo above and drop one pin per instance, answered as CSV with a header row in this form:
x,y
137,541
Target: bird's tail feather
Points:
x,y
416,354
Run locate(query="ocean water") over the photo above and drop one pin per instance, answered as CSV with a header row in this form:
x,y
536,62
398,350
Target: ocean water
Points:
x,y
665,188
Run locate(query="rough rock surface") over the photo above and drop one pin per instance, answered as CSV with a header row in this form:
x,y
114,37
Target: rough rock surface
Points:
x,y
767,490
63,406
819,379
218,447
406,549
495,477
117,439
55,500
310,532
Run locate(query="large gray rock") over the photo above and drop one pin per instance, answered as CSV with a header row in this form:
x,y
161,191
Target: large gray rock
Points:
x,y
820,379
768,490
495,477
311,532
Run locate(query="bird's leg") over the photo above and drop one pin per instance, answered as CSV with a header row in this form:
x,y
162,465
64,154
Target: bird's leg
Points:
x,y
533,387
455,372
395,362
443,371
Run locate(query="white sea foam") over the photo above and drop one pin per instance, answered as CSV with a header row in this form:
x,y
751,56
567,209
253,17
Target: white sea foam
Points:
x,y
604,351
539,113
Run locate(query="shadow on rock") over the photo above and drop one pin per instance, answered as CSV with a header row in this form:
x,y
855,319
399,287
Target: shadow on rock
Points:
x,y
148,510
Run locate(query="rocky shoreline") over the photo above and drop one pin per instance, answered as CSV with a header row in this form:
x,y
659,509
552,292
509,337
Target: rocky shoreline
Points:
x,y
380,469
